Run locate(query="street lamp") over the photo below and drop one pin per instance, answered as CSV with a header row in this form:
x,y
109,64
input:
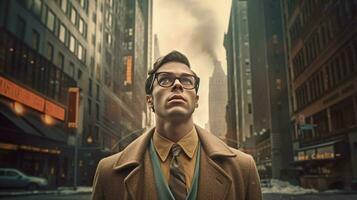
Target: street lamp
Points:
x,y
48,119
89,140
18,108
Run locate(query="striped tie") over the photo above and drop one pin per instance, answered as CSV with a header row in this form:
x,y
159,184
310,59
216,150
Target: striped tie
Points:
x,y
177,181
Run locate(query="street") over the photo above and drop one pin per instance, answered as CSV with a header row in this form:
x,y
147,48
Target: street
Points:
x,y
265,197
310,197
85,196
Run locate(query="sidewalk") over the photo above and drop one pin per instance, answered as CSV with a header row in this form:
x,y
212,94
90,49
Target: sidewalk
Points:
x,y
59,191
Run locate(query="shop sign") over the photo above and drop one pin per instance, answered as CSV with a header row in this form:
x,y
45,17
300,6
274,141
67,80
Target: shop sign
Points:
x,y
21,95
30,99
320,153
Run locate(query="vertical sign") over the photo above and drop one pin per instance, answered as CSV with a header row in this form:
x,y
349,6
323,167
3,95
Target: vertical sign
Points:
x,y
73,107
129,71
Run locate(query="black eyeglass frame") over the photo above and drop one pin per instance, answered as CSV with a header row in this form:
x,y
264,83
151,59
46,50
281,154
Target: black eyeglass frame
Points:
x,y
196,86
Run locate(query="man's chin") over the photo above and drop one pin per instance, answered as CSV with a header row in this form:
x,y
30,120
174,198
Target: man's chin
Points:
x,y
179,114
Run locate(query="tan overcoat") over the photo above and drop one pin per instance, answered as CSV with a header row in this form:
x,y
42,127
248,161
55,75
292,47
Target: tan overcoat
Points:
x,y
225,173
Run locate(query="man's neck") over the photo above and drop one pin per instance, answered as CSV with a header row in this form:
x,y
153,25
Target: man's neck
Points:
x,y
173,131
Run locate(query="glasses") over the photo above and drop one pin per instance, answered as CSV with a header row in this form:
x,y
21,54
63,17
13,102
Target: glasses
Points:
x,y
166,80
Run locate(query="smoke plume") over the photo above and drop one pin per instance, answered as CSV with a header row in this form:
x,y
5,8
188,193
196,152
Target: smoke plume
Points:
x,y
205,34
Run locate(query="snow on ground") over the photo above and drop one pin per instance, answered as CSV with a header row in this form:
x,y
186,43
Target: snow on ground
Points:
x,y
60,190
284,187
72,191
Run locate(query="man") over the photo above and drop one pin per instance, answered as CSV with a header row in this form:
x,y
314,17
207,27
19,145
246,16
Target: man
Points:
x,y
176,159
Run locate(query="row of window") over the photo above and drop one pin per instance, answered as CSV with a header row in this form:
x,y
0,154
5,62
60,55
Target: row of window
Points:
x,y
58,59
56,26
74,16
340,67
318,42
342,11
27,66
342,117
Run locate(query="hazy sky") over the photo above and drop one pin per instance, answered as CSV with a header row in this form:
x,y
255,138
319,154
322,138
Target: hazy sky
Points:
x,y
195,28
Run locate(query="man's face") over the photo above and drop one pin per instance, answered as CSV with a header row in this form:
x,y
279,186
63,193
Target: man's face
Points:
x,y
174,102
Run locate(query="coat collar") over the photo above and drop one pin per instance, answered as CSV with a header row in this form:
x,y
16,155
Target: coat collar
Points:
x,y
133,154
213,179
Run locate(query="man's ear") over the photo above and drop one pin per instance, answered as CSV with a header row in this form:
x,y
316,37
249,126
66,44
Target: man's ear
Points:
x,y
196,103
150,102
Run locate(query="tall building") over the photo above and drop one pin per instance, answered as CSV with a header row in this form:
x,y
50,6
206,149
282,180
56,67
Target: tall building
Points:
x,y
43,53
239,107
217,101
258,102
49,46
322,56
273,149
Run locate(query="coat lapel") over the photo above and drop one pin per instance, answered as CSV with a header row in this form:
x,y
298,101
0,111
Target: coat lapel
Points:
x,y
135,160
214,182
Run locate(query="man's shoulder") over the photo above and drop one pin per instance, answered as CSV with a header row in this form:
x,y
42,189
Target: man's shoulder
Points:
x,y
109,162
240,155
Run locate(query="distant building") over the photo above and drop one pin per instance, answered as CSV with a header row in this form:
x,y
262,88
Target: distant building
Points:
x,y
217,101
269,83
257,90
239,108
322,55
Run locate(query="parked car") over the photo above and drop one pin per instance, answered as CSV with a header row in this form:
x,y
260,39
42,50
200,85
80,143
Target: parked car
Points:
x,y
13,178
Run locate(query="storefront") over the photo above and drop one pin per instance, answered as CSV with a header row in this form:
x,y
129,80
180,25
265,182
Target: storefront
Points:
x,y
326,165
33,136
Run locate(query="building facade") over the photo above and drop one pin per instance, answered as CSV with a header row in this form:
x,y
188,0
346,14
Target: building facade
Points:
x,y
269,86
50,46
322,47
217,101
239,107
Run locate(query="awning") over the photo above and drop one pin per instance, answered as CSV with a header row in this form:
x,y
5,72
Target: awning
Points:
x,y
320,145
27,126
9,119
51,132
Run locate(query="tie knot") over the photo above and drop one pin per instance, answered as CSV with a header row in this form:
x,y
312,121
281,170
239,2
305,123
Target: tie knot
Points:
x,y
176,150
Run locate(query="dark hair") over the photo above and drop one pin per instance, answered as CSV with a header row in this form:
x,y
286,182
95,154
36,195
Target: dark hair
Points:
x,y
173,56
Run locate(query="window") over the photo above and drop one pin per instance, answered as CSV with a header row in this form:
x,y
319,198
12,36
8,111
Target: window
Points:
x,y
64,5
37,5
97,111
35,40
20,27
81,25
98,92
50,23
249,108
94,18
73,15
89,106
80,52
72,43
49,54
71,69
130,45
62,33
92,64
130,32
93,39
79,74
90,83
60,61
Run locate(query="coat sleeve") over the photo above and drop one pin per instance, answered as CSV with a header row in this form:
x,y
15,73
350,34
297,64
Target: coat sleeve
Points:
x,y
98,193
253,190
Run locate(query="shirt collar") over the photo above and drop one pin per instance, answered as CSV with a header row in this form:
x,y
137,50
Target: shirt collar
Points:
x,y
163,145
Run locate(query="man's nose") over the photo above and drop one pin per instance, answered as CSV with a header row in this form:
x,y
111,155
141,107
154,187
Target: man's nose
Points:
x,y
177,85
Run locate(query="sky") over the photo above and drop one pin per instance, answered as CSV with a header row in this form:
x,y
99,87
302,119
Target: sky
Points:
x,y
195,28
